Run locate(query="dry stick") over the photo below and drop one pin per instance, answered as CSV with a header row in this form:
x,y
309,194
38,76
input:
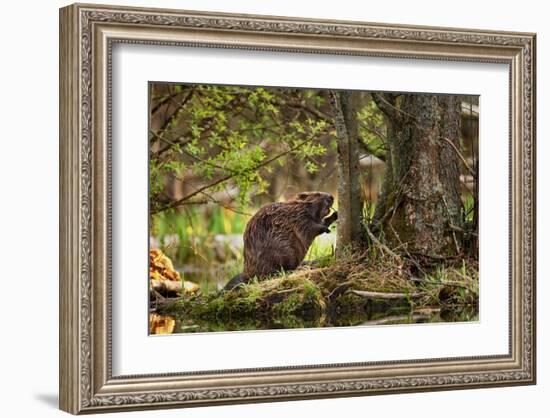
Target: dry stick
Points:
x,y
166,285
381,245
383,295
454,235
287,290
462,231
402,244
397,318
409,255
389,108
157,294
457,151
438,282
223,205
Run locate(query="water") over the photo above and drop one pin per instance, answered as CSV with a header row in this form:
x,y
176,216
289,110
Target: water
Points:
x,y
371,316
210,276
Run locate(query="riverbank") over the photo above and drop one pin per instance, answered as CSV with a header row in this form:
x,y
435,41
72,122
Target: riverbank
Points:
x,y
350,290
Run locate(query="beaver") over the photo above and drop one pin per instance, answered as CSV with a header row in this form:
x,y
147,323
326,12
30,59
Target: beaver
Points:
x,y
279,235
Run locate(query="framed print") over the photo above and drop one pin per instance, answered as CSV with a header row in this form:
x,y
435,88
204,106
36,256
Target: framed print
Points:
x,y
259,208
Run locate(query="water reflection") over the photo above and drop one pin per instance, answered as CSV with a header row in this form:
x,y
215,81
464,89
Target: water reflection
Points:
x,y
161,324
372,317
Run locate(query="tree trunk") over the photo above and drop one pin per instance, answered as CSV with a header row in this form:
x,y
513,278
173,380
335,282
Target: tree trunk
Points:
x,y
420,208
349,191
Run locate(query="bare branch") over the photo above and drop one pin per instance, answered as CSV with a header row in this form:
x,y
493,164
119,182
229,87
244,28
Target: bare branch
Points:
x,y
302,105
453,146
386,103
162,101
175,113
378,152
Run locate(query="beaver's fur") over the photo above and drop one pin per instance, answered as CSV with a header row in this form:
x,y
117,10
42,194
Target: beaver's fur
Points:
x,y
278,236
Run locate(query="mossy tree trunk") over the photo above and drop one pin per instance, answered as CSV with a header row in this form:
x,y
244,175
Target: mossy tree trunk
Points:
x,y
350,203
420,208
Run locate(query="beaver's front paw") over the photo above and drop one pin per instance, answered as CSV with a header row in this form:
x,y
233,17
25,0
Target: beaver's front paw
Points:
x,y
330,219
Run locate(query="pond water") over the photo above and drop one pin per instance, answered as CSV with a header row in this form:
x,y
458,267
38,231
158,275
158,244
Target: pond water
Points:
x,y
371,316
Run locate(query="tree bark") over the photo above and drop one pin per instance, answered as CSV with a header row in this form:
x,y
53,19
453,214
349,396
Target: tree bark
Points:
x,y
349,191
420,208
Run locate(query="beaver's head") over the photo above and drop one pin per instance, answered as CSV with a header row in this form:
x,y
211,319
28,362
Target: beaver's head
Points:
x,y
319,203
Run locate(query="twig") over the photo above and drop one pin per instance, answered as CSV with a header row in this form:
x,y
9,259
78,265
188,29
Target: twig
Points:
x,y
287,290
384,295
338,290
379,152
438,282
398,318
223,205
380,244
157,295
303,106
457,247
175,113
162,102
178,202
461,230
169,143
384,103
457,151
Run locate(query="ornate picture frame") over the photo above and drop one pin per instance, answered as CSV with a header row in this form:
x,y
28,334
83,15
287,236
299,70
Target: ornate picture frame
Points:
x,y
87,35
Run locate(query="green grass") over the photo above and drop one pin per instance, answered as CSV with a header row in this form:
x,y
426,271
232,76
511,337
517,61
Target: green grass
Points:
x,y
195,228
322,251
468,208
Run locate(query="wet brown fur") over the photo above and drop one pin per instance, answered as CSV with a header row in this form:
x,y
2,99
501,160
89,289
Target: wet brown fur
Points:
x,y
279,235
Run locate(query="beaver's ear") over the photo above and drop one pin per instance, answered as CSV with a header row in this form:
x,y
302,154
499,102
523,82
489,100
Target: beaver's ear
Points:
x,y
302,196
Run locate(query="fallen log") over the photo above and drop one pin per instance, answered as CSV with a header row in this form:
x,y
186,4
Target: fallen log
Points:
x,y
165,287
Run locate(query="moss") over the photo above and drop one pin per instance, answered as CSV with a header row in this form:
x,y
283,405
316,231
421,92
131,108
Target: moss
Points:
x,y
306,301
322,296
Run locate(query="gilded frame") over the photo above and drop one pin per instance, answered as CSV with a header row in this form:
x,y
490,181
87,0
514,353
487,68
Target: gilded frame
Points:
x,y
87,33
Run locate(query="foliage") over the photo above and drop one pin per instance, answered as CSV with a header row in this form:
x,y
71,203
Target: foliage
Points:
x,y
230,136
233,137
